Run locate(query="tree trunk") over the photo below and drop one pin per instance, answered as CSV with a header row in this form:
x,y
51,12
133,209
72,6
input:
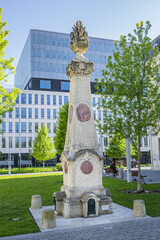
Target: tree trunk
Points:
x,y
43,164
139,170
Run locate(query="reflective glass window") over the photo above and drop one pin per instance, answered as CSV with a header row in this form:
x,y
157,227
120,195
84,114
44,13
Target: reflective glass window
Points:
x,y
99,115
93,101
105,141
54,114
49,127
10,127
42,99
65,42
30,127
36,113
53,41
10,114
36,98
65,99
3,127
42,113
41,39
54,127
65,86
17,127
29,142
94,114
42,66
60,100
65,55
23,142
10,142
4,114
48,99
48,40
47,53
48,114
45,84
29,98
59,53
23,98
54,54
145,142
59,42
3,142
99,102
16,142
23,112
36,126
23,127
54,99
29,112
17,99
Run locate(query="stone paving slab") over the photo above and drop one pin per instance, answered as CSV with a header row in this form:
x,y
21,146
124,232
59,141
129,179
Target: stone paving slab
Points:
x,y
120,214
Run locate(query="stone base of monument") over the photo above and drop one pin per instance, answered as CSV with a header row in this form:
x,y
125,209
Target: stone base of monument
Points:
x,y
88,205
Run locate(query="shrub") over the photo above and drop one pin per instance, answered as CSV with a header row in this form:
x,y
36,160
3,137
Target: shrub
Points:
x,y
59,166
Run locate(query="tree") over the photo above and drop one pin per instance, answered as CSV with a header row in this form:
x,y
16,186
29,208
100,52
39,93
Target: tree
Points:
x,y
59,139
117,147
43,148
132,81
7,99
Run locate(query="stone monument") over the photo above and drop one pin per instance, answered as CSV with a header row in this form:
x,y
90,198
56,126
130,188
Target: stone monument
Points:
x,y
82,193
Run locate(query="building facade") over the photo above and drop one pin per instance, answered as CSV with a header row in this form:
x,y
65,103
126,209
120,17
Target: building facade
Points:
x,y
41,76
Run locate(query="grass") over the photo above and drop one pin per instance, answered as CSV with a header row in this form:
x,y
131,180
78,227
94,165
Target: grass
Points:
x,y
28,170
16,192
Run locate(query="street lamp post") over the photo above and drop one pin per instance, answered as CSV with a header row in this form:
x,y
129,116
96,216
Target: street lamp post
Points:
x,y
128,158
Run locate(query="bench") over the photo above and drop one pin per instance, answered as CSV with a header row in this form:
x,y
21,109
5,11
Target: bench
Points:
x,y
135,174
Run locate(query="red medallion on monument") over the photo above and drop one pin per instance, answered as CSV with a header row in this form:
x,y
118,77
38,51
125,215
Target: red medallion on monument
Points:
x,y
86,167
70,114
65,167
83,112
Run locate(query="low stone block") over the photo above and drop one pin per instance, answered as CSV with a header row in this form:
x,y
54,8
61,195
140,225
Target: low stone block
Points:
x,y
120,173
36,202
139,208
48,218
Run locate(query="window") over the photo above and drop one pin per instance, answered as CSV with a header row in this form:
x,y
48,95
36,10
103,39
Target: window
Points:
x,y
42,99
65,86
54,99
65,99
17,113
36,126
10,142
42,113
105,141
29,98
3,142
54,127
23,127
23,112
17,127
10,127
45,84
60,100
48,114
17,142
49,127
10,114
36,113
30,127
99,115
145,142
17,99
29,112
4,114
23,98
54,114
3,127
36,98
48,99
23,142
29,142
94,114
93,101
99,102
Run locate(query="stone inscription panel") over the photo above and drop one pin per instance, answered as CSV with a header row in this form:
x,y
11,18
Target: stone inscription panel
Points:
x,y
86,167
83,112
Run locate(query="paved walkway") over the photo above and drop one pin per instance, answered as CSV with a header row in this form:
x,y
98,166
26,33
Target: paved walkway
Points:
x,y
141,229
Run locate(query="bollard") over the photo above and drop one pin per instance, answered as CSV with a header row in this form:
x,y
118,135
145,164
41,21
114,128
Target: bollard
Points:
x,y
36,202
139,208
48,218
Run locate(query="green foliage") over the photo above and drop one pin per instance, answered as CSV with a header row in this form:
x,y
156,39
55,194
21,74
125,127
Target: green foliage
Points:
x,y
43,148
59,166
134,102
7,99
59,139
117,147
28,170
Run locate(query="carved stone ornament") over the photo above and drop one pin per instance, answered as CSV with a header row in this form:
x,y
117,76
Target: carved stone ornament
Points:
x,y
79,38
83,112
75,67
86,167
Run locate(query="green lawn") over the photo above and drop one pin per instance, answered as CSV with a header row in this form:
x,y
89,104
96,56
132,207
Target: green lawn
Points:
x,y
16,192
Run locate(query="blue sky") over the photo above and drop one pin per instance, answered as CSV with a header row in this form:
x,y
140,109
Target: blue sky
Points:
x,y
104,18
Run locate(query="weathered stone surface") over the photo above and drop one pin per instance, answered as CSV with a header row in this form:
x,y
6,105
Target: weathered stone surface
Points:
x,y
72,208
80,68
139,208
36,202
48,218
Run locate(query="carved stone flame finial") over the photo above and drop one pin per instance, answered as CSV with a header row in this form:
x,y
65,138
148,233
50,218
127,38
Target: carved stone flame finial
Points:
x,y
79,39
